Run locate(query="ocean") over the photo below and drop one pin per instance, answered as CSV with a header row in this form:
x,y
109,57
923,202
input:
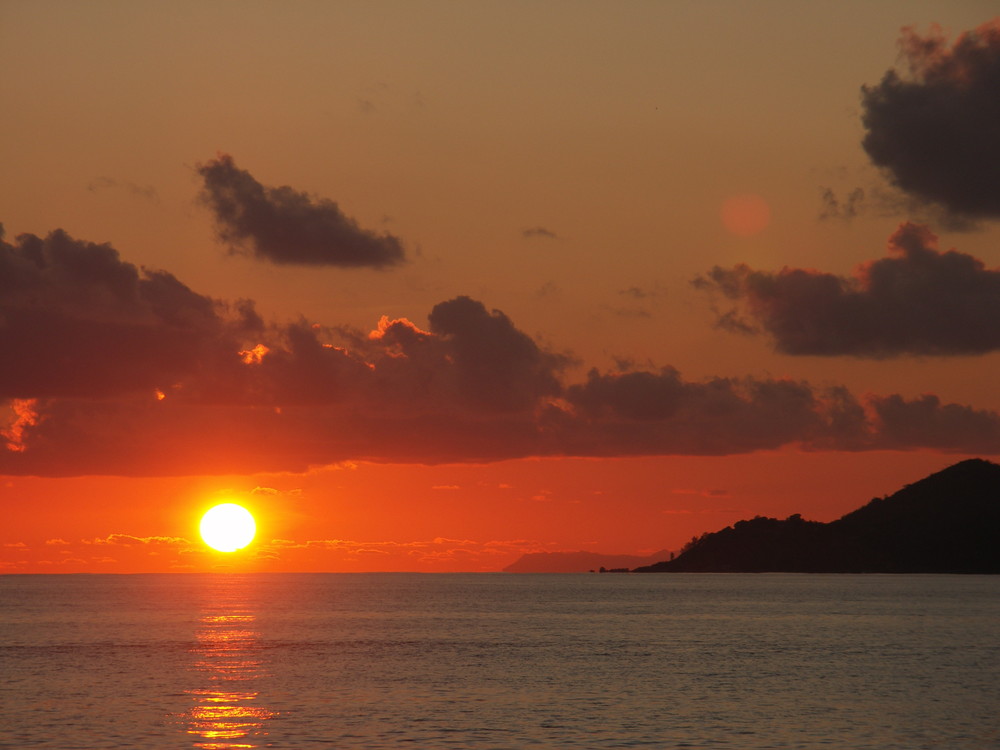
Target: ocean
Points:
x,y
500,661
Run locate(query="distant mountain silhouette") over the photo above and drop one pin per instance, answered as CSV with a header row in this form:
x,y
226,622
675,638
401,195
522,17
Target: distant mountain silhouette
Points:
x,y
948,522
577,562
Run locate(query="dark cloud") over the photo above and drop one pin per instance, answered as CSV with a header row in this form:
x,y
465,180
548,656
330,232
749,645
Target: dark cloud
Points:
x,y
139,191
927,423
618,414
885,201
548,289
109,369
936,130
496,365
917,301
631,412
539,231
470,359
638,293
286,226
601,418
76,320
843,209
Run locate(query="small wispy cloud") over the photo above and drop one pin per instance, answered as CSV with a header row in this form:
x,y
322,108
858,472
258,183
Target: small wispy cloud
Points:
x,y
146,192
539,232
701,492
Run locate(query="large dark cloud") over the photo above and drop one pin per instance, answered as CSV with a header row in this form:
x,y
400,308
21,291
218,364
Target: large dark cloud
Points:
x,y
136,436
76,320
936,131
927,423
109,369
916,301
286,226
496,365
634,411
470,361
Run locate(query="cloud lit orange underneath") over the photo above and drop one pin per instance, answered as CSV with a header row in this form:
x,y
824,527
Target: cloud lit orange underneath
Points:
x,y
228,527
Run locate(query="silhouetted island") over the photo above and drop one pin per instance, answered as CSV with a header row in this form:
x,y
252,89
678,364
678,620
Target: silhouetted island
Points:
x,y
946,523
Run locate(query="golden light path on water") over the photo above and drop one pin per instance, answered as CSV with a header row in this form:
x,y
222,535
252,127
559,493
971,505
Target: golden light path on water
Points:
x,y
226,714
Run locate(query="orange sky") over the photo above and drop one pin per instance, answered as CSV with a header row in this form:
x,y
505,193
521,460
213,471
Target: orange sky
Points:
x,y
431,285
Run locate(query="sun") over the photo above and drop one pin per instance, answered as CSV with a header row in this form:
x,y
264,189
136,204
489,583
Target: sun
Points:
x,y
228,527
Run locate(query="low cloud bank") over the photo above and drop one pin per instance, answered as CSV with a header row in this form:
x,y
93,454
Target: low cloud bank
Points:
x,y
110,369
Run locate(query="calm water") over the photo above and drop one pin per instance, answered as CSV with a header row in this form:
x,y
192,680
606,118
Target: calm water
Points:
x,y
500,661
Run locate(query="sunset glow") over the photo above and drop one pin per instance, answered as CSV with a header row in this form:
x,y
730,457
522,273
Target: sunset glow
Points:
x,y
434,286
422,373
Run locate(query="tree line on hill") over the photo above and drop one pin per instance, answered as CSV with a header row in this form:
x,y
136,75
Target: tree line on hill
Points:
x,y
948,522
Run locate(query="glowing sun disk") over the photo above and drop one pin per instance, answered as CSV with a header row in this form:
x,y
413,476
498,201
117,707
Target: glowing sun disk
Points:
x,y
228,527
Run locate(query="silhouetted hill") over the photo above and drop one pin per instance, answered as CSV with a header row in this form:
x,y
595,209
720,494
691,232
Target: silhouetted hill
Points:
x,y
577,562
948,522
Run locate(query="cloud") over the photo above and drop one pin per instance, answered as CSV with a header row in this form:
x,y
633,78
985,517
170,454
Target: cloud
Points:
x,y
548,290
881,200
148,192
79,321
935,129
843,209
470,359
128,540
598,419
225,393
916,301
643,413
496,365
24,416
539,231
638,297
285,226
640,293
926,422
701,493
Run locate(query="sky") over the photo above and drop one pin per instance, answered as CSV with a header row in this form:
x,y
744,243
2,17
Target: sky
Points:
x,y
430,285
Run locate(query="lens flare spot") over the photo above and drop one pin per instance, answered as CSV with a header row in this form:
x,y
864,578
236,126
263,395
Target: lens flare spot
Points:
x,y
745,215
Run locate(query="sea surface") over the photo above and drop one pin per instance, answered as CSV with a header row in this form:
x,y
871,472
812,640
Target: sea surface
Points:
x,y
500,661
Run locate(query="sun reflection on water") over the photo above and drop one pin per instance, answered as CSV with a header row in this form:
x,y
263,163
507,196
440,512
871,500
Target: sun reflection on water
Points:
x,y
227,714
